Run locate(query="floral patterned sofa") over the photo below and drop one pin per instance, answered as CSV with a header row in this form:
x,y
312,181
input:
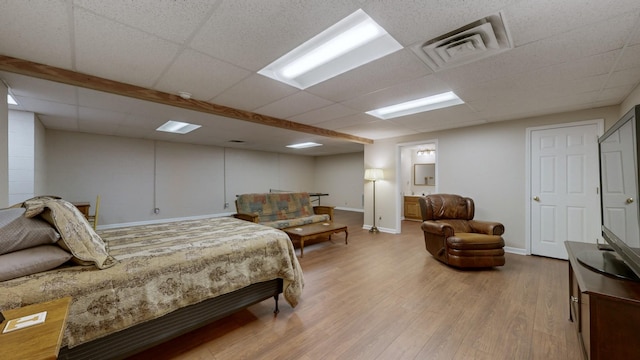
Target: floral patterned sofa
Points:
x,y
281,210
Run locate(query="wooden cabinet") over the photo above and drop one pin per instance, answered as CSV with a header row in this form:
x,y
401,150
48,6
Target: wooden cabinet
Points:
x,y
605,310
412,208
83,207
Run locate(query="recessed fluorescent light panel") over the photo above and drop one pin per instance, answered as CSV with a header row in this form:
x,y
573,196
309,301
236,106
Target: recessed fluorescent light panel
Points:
x,y
352,42
418,105
303,145
177,127
11,100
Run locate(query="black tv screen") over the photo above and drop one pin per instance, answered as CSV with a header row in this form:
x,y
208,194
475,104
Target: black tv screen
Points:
x,y
619,176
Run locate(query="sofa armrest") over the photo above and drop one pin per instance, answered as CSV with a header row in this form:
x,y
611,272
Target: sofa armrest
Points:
x,y
322,209
487,227
437,228
247,217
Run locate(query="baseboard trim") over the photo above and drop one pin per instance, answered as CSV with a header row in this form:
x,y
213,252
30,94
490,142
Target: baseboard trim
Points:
x,y
381,229
518,251
349,209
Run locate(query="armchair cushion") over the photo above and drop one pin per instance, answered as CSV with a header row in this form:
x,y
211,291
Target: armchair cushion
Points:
x,y
475,241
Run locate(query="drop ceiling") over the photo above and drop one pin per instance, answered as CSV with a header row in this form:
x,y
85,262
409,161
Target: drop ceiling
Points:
x,y
566,56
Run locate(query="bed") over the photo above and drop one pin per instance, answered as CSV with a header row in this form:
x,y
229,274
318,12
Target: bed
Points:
x,y
142,285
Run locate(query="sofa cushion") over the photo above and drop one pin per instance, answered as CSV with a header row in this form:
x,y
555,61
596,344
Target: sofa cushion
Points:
x,y
281,224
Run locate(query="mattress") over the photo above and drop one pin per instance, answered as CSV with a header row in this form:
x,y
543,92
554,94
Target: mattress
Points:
x,y
158,269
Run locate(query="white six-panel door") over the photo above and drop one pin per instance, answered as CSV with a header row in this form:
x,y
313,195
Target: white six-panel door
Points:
x,y
620,211
564,180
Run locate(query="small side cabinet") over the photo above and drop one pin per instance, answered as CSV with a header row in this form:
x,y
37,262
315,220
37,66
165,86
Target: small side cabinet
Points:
x,y
412,208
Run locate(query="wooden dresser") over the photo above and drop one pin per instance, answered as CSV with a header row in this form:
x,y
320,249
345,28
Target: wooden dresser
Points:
x,y
412,208
605,310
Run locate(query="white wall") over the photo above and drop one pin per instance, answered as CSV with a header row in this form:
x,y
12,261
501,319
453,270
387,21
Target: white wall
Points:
x,y
486,163
40,153
341,176
188,180
82,166
21,155
4,148
134,176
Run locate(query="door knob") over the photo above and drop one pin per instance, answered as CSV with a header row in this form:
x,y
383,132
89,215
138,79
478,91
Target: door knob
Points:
x,y
536,198
629,200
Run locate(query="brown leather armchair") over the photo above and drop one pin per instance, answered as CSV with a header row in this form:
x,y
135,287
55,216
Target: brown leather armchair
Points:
x,y
453,237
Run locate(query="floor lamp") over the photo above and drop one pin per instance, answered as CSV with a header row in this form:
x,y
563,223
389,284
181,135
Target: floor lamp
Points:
x,y
373,175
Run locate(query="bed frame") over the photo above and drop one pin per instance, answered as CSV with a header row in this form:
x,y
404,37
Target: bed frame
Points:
x,y
151,333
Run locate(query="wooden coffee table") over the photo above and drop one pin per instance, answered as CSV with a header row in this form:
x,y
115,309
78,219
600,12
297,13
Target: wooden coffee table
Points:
x,y
314,231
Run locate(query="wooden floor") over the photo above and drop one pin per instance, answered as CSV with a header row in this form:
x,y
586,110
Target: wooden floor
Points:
x,y
383,296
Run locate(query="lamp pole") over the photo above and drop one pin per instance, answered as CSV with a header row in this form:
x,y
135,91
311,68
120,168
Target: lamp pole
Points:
x,y
373,175
374,228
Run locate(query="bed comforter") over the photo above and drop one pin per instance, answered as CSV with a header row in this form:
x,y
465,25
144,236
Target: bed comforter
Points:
x,y
160,268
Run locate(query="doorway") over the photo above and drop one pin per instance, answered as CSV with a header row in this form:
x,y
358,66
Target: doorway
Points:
x,y
408,155
562,186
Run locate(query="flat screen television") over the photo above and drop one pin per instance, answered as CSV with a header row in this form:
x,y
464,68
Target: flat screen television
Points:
x,y
619,200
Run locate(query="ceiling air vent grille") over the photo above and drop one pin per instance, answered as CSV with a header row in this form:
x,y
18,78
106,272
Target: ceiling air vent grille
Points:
x,y
478,40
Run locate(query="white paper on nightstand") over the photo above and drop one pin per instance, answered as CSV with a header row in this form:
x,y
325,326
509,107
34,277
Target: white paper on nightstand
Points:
x,y
25,321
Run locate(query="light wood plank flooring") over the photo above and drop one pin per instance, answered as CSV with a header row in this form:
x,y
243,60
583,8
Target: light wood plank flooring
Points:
x,y
383,296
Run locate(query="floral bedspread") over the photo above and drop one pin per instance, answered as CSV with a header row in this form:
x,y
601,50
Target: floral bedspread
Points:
x,y
161,268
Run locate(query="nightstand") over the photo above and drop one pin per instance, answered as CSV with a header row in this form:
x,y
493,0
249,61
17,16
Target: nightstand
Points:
x,y
40,341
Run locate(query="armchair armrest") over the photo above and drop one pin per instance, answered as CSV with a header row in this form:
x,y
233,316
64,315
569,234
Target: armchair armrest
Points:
x,y
437,228
322,209
487,227
247,217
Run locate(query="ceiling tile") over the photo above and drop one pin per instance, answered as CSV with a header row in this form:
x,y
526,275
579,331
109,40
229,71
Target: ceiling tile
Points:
x,y
410,21
635,37
51,108
390,70
141,122
630,58
133,132
624,78
25,86
564,48
139,60
173,20
267,30
106,101
99,121
455,116
253,92
534,20
292,105
378,130
324,114
213,76
410,90
46,41
343,124
615,95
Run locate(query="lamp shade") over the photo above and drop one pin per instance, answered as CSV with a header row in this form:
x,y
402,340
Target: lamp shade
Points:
x,y
373,174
